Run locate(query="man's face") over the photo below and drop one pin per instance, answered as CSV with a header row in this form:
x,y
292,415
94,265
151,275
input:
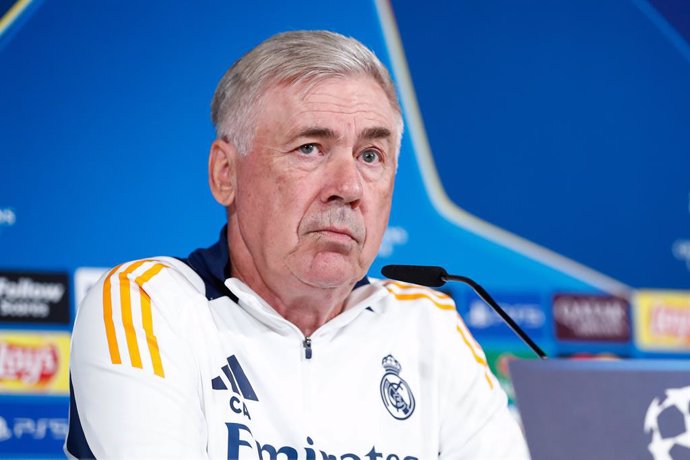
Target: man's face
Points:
x,y
313,194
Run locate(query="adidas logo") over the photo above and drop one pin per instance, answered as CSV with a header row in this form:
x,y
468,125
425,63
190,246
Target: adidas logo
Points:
x,y
238,381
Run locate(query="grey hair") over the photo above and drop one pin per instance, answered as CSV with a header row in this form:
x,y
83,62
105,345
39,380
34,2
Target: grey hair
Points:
x,y
290,58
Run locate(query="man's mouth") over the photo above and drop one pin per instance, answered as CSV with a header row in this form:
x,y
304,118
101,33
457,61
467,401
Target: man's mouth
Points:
x,y
340,234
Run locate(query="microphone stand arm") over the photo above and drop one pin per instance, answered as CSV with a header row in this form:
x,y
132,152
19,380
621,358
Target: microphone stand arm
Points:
x,y
493,304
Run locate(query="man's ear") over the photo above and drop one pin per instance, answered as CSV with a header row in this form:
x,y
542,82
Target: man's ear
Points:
x,y
222,171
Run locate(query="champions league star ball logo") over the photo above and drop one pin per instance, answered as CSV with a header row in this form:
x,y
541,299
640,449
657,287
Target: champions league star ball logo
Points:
x,y
395,392
669,423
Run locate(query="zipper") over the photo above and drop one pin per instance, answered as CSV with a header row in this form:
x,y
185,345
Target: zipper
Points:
x,y
307,347
305,366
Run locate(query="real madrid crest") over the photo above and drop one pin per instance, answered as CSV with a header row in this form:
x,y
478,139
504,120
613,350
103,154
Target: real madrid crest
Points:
x,y
395,392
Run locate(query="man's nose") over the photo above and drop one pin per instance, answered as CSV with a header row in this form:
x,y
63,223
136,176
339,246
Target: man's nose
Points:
x,y
343,180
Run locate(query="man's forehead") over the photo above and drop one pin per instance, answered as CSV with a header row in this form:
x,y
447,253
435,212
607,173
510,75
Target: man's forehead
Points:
x,y
355,93
309,87
335,107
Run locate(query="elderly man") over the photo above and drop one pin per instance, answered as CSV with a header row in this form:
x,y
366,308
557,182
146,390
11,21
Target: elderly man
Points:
x,y
273,343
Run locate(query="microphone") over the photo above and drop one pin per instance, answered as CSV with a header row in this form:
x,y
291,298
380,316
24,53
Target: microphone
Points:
x,y
431,276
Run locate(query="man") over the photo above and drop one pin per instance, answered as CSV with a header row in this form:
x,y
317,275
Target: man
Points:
x,y
273,343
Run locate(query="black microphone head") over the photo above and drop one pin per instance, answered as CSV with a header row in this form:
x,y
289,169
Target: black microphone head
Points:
x,y
426,275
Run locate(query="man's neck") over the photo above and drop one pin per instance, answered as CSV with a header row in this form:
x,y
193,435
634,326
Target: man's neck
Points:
x,y
309,314
305,306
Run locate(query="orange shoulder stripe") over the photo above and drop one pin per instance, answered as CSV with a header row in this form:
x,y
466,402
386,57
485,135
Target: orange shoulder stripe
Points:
x,y
126,307
402,285
422,295
475,353
147,319
462,324
125,280
442,306
108,319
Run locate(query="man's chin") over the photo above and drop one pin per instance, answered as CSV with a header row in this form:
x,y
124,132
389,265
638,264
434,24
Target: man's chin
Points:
x,y
328,283
330,271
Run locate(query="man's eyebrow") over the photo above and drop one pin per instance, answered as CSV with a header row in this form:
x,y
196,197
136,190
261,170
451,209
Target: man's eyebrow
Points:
x,y
319,132
376,133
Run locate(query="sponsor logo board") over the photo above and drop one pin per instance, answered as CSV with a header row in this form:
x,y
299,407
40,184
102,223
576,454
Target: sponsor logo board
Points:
x,y
525,309
34,363
662,320
33,429
84,279
591,318
34,298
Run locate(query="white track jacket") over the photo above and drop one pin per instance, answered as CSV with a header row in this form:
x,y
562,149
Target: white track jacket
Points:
x,y
170,358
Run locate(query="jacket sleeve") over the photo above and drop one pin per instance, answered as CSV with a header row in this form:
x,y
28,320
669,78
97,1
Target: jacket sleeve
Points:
x,y
134,379
476,422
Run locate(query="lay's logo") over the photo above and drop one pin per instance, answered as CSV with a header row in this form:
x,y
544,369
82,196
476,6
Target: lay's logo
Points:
x,y
663,320
27,364
34,363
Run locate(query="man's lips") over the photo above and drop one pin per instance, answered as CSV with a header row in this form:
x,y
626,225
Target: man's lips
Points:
x,y
337,233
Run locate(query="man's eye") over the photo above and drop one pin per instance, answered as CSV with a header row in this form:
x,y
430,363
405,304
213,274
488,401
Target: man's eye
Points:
x,y
308,149
370,156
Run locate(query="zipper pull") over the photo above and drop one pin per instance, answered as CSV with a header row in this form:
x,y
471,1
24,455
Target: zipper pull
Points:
x,y
307,347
